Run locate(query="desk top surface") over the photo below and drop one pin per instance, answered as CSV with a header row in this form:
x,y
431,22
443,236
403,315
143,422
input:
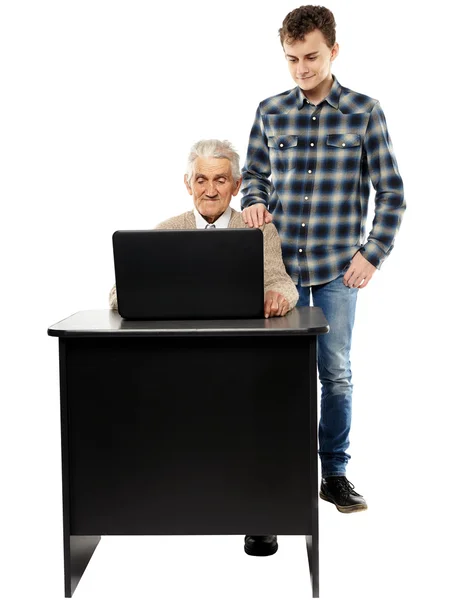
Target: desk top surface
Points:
x,y
108,323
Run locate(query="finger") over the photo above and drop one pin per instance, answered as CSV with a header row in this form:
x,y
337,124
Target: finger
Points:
x,y
285,307
352,281
355,276
267,305
254,217
245,216
273,304
347,275
358,281
280,302
365,282
268,218
363,279
259,215
249,217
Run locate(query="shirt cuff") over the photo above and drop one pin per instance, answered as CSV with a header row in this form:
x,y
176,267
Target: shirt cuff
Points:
x,y
373,253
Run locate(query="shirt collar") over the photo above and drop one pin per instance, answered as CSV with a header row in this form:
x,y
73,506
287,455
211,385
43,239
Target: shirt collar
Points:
x,y
221,223
332,98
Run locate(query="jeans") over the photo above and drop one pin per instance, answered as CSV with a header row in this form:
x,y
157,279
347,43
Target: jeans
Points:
x,y
338,303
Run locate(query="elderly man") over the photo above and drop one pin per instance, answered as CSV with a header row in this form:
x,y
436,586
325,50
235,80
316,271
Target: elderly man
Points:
x,y
212,179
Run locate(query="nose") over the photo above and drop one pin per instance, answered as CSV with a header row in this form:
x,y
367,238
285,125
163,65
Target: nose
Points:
x,y
211,190
302,68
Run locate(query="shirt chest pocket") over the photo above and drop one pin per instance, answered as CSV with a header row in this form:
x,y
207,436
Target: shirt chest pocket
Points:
x,y
283,152
344,140
343,153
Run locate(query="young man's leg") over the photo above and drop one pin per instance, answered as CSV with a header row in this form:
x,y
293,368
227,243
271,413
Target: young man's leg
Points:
x,y
338,303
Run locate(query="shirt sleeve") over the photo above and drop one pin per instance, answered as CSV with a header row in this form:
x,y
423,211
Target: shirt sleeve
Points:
x,y
276,279
256,185
389,190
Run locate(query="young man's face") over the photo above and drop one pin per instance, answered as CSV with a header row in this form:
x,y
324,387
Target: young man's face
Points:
x,y
212,186
309,61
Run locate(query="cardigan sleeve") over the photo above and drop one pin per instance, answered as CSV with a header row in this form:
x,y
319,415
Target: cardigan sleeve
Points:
x,y
276,278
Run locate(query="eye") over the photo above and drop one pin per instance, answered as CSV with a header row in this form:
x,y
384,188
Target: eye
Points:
x,y
313,58
200,180
222,180
292,59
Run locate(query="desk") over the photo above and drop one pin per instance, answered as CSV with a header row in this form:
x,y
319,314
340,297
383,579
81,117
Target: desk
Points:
x,y
188,428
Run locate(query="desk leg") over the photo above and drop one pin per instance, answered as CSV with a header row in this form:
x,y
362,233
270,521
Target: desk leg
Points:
x,y
312,551
78,549
312,539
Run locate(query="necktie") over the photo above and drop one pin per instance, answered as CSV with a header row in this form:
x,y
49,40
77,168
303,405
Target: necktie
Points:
x,y
210,226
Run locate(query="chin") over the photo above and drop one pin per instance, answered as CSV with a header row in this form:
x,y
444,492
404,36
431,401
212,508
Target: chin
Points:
x,y
307,85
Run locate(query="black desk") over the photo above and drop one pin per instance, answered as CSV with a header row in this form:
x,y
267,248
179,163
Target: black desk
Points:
x,y
187,427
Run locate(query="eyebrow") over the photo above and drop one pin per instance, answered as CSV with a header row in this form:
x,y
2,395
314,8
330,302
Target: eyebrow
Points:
x,y
225,175
309,55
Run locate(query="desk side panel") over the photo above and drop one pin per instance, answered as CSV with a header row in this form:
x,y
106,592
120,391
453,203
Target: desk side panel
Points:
x,y
78,549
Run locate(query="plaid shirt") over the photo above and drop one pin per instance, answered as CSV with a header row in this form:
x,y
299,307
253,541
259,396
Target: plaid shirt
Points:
x,y
322,159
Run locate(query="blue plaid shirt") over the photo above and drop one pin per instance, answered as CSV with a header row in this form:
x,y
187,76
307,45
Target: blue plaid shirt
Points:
x,y
322,159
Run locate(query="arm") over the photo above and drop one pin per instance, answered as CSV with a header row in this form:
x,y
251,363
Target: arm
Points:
x,y
276,279
389,191
113,299
256,185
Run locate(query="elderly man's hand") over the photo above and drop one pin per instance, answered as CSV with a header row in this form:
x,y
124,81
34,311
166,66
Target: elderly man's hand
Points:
x,y
256,215
359,273
275,305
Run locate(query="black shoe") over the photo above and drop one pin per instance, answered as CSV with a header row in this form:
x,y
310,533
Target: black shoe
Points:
x,y
261,545
341,492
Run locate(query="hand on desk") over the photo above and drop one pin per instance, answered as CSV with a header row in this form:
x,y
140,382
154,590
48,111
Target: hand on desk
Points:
x,y
275,305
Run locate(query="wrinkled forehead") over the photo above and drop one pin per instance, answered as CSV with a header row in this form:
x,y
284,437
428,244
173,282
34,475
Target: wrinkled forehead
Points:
x,y
211,167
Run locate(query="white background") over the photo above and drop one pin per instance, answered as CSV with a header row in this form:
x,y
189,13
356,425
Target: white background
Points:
x,y
100,104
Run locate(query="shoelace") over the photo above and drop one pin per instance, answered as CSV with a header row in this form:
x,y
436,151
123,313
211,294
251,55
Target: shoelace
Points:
x,y
345,487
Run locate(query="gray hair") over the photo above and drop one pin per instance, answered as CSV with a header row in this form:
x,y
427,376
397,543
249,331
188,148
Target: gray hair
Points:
x,y
214,149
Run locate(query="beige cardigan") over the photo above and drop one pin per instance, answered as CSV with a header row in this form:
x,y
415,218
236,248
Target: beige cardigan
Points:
x,y
275,276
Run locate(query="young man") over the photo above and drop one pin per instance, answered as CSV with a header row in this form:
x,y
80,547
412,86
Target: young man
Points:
x,y
322,145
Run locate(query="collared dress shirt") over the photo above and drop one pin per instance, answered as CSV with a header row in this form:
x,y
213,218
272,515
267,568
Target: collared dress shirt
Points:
x,y
221,222
312,167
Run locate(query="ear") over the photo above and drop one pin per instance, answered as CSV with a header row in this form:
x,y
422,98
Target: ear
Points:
x,y
188,187
335,51
237,185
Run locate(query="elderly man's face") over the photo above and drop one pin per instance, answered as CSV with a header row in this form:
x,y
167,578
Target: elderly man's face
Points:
x,y
212,186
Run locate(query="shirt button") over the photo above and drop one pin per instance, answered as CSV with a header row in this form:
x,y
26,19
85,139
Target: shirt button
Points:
x,y
312,144
314,118
309,171
343,144
300,249
303,224
281,145
306,198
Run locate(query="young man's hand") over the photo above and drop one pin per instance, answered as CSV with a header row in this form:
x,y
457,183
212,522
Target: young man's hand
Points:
x,y
256,215
359,273
275,305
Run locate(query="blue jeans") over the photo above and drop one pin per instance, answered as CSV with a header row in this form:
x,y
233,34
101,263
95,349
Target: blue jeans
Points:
x,y
338,303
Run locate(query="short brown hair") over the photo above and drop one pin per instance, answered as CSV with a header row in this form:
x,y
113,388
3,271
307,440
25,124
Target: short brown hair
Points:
x,y
305,19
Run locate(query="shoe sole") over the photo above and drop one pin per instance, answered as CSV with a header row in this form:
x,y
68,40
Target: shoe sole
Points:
x,y
253,552
345,509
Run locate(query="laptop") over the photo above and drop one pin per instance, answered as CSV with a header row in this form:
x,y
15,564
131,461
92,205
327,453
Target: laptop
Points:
x,y
189,274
